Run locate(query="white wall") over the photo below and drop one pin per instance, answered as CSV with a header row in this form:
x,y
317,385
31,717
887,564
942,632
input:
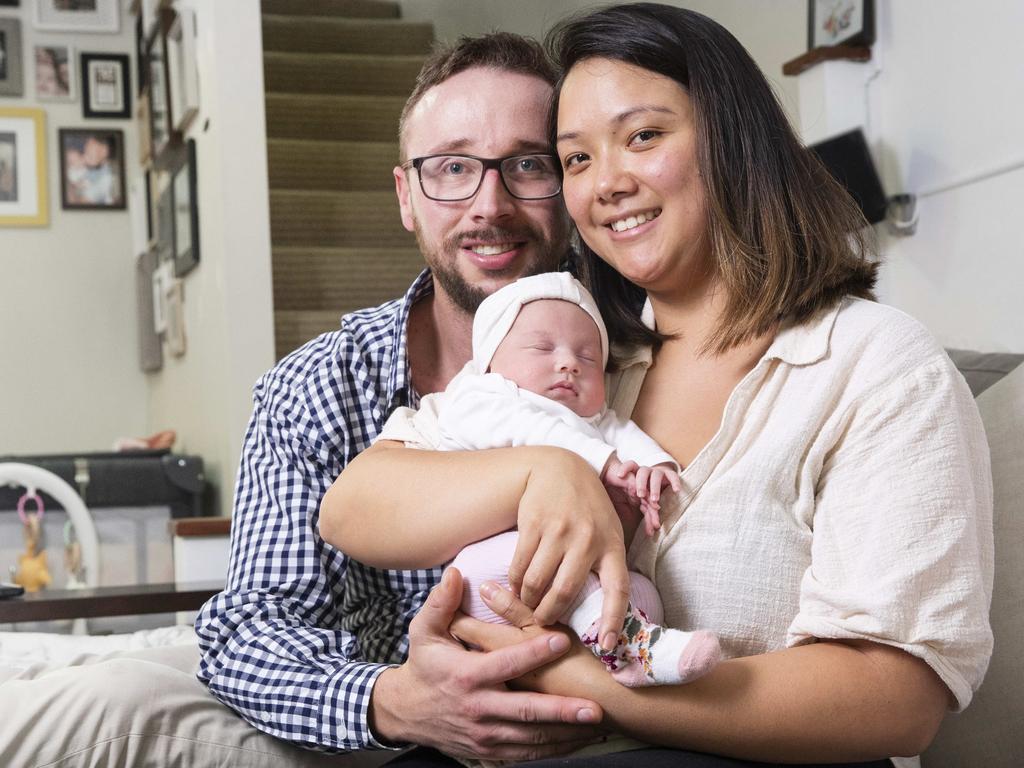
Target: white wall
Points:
x,y
948,105
943,101
69,380
774,32
207,394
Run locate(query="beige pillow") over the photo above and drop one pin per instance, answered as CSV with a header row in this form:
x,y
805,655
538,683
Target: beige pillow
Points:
x,y
990,732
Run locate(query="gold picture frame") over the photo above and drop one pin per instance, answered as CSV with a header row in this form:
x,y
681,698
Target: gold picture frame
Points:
x,y
23,191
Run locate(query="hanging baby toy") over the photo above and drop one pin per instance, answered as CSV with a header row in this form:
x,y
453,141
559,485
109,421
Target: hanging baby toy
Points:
x,y
73,558
32,573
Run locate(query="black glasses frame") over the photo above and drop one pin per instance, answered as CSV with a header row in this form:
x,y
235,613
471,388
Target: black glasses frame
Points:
x,y
488,163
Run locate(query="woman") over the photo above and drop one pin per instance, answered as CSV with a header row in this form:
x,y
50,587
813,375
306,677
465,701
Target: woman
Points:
x,y
834,527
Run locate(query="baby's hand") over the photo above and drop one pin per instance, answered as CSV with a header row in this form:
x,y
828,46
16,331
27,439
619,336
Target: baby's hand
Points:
x,y
650,481
620,474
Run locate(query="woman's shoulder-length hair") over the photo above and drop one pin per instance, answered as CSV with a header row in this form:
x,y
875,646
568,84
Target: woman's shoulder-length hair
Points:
x,y
786,239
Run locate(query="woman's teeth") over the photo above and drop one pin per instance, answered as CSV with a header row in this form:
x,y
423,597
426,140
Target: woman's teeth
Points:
x,y
634,221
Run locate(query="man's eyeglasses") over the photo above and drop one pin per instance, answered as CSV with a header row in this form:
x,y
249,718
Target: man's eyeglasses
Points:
x,y
449,178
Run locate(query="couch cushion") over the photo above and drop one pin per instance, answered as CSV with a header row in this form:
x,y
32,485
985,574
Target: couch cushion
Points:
x,y
990,732
983,369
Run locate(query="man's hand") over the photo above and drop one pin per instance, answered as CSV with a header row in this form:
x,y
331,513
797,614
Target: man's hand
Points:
x,y
456,700
568,528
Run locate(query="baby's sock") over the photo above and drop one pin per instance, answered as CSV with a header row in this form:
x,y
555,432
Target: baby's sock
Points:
x,y
647,653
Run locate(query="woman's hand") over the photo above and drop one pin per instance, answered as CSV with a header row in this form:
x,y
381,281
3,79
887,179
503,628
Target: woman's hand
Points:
x,y
562,676
567,528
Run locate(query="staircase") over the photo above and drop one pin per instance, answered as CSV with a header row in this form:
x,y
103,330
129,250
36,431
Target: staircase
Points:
x,y
337,73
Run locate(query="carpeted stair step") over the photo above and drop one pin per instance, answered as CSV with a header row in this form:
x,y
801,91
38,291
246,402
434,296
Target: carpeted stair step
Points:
x,y
293,328
323,34
340,73
341,118
366,9
338,165
341,219
341,279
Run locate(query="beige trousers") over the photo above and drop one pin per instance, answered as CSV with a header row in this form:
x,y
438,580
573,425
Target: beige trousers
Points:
x,y
137,709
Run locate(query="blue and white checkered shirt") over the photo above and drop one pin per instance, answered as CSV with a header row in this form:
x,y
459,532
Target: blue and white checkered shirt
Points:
x,y
288,644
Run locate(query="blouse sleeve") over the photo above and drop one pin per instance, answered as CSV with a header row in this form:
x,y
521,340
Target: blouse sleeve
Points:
x,y
901,549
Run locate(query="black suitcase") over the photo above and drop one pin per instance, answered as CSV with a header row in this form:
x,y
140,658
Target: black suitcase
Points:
x,y
126,479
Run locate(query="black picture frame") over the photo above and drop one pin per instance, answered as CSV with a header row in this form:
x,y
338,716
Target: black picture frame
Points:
x,y
9,3
92,169
117,91
184,188
141,64
840,26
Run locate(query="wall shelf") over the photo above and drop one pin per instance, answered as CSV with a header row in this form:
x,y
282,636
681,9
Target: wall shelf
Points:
x,y
826,53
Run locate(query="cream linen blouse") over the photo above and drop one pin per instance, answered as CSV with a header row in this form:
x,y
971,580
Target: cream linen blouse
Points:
x,y
846,495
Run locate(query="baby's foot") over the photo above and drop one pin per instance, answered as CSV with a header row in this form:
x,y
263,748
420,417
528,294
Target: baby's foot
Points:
x,y
649,654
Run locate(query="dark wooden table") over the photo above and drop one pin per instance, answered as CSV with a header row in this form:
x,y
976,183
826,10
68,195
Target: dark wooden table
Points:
x,y
89,603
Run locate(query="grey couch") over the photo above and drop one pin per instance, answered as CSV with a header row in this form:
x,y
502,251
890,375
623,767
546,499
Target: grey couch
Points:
x,y
990,732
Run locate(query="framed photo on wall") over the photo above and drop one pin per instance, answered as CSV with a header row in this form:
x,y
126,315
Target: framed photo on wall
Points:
x,y
840,22
186,212
161,133
91,169
55,72
181,69
106,92
23,198
11,80
77,15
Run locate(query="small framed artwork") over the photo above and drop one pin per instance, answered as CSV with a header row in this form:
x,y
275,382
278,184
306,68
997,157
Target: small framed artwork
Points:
x,y
138,207
151,357
11,81
23,199
160,131
55,72
186,213
163,276
141,68
144,125
165,224
174,307
106,92
91,169
181,69
840,22
77,15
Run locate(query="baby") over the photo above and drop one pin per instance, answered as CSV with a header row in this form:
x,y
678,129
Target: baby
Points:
x,y
537,378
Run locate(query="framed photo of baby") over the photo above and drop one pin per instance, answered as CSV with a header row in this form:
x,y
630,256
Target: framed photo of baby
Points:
x,y
91,169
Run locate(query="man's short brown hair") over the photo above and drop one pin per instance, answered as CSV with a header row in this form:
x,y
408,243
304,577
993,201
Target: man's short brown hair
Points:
x,y
498,50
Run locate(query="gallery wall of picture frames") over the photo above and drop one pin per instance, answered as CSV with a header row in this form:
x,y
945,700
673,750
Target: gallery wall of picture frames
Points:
x,y
157,182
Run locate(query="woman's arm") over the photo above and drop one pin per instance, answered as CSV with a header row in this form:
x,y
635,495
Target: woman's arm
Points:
x,y
829,701
398,507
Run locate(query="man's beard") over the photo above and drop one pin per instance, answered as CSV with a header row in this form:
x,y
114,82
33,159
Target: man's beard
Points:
x,y
444,263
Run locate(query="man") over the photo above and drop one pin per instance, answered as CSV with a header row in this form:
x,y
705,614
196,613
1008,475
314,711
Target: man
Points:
x,y
285,645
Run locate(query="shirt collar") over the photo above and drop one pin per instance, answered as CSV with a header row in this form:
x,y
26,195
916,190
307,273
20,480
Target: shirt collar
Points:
x,y
805,342
399,391
795,343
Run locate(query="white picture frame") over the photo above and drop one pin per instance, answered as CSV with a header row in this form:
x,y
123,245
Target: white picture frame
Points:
x,y
93,16
163,276
174,306
181,69
54,62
